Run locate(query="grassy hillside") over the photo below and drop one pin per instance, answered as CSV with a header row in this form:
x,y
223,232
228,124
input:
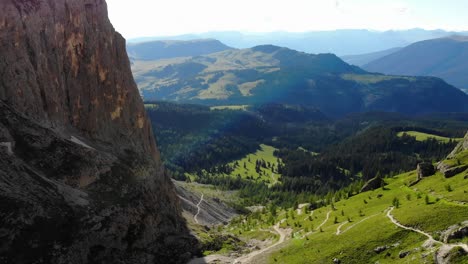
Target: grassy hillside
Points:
x,y
370,226
420,136
407,220
246,167
270,74
359,229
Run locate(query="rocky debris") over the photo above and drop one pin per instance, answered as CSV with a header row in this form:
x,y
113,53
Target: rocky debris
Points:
x,y
381,249
403,254
212,210
84,182
372,184
425,169
458,231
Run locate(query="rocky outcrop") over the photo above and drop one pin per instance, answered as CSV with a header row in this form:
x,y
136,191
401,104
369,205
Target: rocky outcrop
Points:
x,y
381,249
458,231
372,184
452,165
80,175
461,146
450,170
425,169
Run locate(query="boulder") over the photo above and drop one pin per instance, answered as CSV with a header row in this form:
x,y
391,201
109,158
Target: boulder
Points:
x,y
380,249
403,254
372,184
425,169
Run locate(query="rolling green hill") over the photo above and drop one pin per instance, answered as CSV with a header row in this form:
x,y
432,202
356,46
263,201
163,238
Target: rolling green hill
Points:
x,y
272,74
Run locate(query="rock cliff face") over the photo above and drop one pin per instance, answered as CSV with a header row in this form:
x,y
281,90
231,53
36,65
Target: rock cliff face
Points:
x,y
456,161
64,65
80,175
461,146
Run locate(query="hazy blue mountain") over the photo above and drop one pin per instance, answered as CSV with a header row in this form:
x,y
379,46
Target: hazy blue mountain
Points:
x,y
446,58
163,49
363,59
266,74
340,42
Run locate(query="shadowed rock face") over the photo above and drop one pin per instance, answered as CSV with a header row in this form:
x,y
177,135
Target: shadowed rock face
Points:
x,y
64,65
80,175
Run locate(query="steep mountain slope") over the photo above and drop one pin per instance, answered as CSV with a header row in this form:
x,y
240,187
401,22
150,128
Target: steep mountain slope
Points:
x,y
363,59
357,41
80,176
445,58
165,49
269,73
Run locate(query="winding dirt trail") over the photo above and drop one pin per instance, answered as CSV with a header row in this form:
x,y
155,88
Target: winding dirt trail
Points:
x,y
353,225
338,230
442,252
198,209
394,221
324,221
248,258
311,214
318,227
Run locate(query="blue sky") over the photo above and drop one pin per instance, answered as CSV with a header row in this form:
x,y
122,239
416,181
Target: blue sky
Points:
x,y
139,18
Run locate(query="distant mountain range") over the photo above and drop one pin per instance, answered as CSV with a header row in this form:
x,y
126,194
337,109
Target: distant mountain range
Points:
x,y
446,58
268,73
340,42
363,59
163,49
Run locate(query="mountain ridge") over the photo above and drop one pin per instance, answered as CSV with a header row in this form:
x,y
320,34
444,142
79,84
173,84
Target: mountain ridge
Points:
x,y
269,73
358,41
442,57
165,49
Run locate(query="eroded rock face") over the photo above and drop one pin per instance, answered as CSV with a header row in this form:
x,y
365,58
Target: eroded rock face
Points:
x,y
64,65
80,175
